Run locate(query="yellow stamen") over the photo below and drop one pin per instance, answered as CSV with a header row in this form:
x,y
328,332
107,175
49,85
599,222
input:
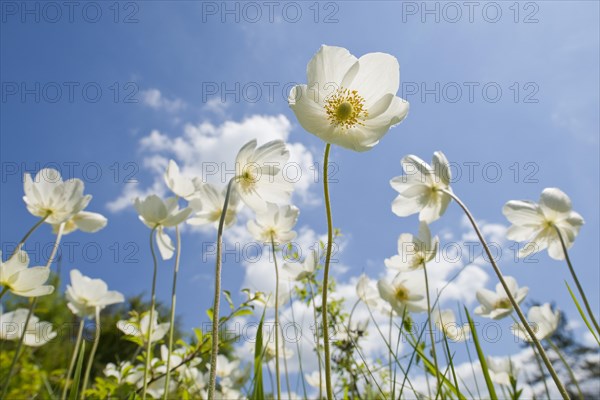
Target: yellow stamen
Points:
x,y
346,108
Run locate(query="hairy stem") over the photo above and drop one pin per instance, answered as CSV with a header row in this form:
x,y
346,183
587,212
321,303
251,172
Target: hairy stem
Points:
x,y
73,359
277,375
151,316
88,369
173,303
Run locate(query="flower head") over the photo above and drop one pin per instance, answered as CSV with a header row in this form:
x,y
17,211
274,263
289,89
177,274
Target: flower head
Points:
x,y
542,320
158,214
502,370
37,333
349,101
414,251
21,280
497,305
405,291
370,295
259,178
85,294
138,325
422,188
305,269
179,184
48,196
275,224
84,221
445,320
538,222
208,204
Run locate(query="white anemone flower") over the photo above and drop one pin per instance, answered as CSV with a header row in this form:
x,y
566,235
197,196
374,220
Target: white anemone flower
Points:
x,y
48,195
84,221
537,223
208,204
421,189
137,326
501,370
179,184
259,179
37,332
125,372
21,280
445,321
349,101
299,271
275,224
85,294
405,292
158,214
414,251
314,379
497,305
369,295
542,320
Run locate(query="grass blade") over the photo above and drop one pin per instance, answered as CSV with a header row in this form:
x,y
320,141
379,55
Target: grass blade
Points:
x,y
484,367
74,394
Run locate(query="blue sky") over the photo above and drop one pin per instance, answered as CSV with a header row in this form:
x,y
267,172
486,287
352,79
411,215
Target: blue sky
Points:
x,y
544,124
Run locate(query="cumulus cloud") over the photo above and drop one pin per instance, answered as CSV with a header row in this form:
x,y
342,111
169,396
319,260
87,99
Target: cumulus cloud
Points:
x,y
154,99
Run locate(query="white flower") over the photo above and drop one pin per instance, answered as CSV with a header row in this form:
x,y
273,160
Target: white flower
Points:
x,y
537,223
421,188
208,206
48,195
37,332
125,372
138,327
496,305
85,294
21,280
275,224
85,221
259,179
299,271
445,320
224,366
414,251
501,370
158,214
268,299
348,101
370,296
406,291
542,320
181,185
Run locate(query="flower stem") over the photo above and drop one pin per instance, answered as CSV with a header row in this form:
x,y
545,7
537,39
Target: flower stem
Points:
x,y
73,359
88,369
151,316
29,232
277,377
567,366
579,287
217,301
318,343
173,303
13,364
431,334
513,302
326,275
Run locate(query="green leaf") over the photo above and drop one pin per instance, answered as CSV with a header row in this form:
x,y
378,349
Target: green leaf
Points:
x,y
209,312
484,367
74,394
242,312
228,298
258,392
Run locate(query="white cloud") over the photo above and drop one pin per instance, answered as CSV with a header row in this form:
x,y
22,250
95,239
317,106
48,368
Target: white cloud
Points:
x,y
153,98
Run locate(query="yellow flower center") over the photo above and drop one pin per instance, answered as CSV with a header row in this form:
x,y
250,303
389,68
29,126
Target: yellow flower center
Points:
x,y
346,108
402,294
503,303
247,179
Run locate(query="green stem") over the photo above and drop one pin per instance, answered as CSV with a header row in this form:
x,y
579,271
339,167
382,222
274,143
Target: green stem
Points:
x,y
277,377
29,232
88,369
212,384
312,294
31,308
431,333
328,385
517,308
579,287
73,359
173,303
151,316
564,361
298,347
